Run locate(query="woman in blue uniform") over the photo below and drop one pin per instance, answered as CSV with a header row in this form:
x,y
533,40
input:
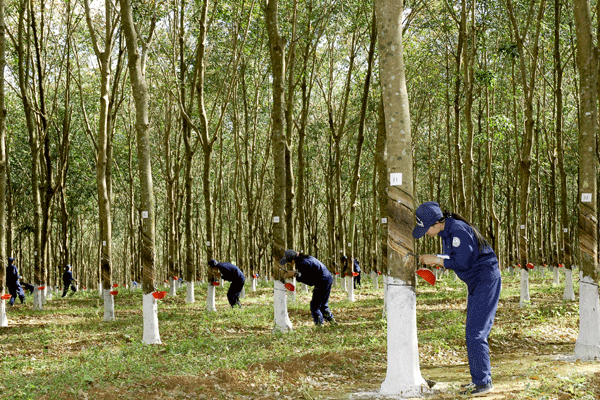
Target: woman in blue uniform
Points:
x,y
233,274
312,272
475,263
68,281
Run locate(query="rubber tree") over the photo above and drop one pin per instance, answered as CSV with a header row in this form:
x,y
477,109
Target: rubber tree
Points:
x,y
102,145
403,375
139,88
3,169
587,346
277,52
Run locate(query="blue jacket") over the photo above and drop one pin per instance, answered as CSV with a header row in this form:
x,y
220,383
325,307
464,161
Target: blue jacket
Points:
x,y
67,277
470,264
311,271
12,276
230,272
356,266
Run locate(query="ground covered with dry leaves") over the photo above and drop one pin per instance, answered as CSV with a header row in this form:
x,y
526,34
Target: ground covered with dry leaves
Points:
x,y
66,352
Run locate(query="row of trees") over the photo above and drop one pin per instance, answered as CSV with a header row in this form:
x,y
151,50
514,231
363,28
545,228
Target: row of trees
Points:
x,y
260,126
493,89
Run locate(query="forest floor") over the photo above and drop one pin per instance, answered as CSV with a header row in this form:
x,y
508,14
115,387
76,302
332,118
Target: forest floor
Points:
x,y
66,352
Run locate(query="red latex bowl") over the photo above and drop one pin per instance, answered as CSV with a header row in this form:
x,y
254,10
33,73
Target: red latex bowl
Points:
x,y
254,276
6,296
355,274
560,265
114,292
378,272
530,265
216,283
166,281
427,275
174,278
159,295
42,287
290,287
115,285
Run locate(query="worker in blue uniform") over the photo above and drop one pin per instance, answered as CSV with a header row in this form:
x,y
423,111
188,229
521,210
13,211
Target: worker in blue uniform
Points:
x,y
473,260
68,281
312,272
233,274
358,271
12,283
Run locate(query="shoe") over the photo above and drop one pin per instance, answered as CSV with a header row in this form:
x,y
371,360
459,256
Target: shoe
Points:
x,y
472,389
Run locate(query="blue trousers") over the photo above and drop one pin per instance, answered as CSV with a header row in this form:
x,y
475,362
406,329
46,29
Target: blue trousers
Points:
x,y
481,311
14,292
319,305
235,289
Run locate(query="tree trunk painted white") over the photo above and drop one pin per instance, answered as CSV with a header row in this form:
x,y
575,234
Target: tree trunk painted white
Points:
x,y
37,298
150,311
543,272
291,295
587,346
3,319
210,298
173,288
243,292
109,306
254,284
374,278
335,280
350,287
282,319
305,288
556,280
403,375
525,299
569,293
189,298
100,294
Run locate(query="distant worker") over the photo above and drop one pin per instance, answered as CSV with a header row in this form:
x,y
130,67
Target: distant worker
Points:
x,y
68,281
357,270
233,274
312,272
12,282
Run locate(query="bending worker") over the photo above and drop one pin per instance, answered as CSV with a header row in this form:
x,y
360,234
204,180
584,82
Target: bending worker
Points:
x,y
233,274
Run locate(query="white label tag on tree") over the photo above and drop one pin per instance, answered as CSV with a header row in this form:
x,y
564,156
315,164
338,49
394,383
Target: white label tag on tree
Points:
x,y
396,179
208,243
104,243
349,244
384,220
565,230
522,226
35,253
586,197
275,220
144,214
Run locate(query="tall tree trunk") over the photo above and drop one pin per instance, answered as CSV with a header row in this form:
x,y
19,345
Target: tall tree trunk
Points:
x,y
528,81
23,52
587,346
277,52
3,167
102,160
359,144
139,88
403,374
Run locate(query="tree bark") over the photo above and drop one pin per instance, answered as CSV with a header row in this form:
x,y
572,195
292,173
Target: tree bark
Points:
x,y
587,346
277,52
142,128
403,374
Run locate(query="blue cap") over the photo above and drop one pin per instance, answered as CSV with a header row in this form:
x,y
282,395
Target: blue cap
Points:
x,y
427,215
288,256
212,263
